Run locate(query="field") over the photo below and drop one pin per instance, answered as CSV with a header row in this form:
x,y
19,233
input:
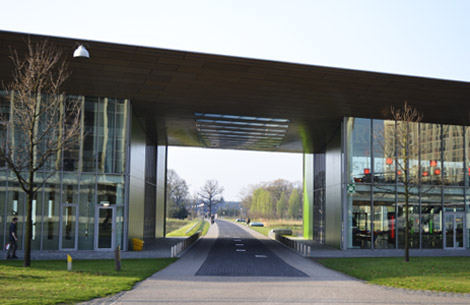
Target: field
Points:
x,y
48,282
448,274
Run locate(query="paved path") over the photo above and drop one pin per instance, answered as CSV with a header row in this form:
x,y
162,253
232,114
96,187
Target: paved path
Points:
x,y
187,281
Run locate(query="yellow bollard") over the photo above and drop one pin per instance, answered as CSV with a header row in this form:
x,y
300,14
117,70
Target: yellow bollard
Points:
x,y
69,263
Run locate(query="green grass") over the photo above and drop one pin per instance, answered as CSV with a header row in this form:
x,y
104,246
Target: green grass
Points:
x,y
173,224
48,282
294,225
200,225
449,274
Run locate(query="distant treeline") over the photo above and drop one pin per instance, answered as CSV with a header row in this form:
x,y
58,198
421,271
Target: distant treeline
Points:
x,y
275,199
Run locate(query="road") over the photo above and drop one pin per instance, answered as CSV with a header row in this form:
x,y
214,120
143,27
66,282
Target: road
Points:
x,y
235,265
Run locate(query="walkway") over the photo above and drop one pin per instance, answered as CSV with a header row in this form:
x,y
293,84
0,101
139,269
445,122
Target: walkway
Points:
x,y
217,271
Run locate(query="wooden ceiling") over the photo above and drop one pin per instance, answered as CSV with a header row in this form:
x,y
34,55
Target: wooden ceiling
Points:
x,y
168,87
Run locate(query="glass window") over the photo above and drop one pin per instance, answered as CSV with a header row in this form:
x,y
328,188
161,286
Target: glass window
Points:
x,y
16,208
453,151
454,199
384,151
431,165
3,194
384,217
86,225
359,148
90,135
360,218
413,216
431,218
51,214
36,217
110,190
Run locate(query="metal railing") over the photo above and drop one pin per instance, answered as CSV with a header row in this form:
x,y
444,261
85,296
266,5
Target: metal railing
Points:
x,y
184,244
299,247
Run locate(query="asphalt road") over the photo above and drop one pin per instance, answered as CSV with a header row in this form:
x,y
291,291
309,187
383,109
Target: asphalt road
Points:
x,y
238,253
214,272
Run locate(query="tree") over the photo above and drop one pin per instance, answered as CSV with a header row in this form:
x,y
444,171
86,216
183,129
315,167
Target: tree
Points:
x,y
281,205
406,119
210,193
294,204
41,124
177,195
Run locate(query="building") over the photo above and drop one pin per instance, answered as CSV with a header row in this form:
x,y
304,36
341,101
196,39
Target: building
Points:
x,y
137,101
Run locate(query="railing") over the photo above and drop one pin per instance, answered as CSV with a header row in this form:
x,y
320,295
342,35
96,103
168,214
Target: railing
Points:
x,y
184,244
297,246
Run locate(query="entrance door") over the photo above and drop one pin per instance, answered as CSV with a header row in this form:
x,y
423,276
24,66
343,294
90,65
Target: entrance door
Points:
x,y
454,231
105,223
68,227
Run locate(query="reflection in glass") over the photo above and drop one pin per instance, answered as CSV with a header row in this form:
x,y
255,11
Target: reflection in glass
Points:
x,y
431,165
384,217
86,225
16,208
459,231
453,151
359,145
3,193
360,218
105,228
51,216
384,151
431,217
450,231
68,226
413,217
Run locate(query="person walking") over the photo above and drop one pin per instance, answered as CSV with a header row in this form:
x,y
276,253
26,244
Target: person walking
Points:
x,y
13,238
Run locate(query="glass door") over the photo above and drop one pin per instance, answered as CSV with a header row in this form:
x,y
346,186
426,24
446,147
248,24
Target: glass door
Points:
x,y
104,226
68,227
454,230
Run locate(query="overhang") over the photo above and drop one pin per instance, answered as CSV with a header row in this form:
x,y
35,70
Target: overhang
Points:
x,y
168,89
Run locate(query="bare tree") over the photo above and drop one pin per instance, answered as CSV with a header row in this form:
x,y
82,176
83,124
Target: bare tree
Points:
x,y
210,194
407,149
41,124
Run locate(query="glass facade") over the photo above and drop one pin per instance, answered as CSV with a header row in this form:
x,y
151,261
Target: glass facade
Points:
x,y
67,210
434,175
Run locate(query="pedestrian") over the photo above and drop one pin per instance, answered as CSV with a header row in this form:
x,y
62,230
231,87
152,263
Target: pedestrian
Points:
x,y
13,238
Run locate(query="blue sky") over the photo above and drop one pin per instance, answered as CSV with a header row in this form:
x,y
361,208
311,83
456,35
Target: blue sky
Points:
x,y
423,38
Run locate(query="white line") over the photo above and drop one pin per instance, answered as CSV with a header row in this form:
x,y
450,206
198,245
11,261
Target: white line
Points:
x,y
240,250
239,245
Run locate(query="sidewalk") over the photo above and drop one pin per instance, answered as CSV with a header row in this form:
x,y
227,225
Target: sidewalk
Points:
x,y
324,251
157,248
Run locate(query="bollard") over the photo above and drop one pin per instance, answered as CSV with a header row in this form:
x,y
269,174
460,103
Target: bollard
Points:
x,y
69,263
117,258
309,251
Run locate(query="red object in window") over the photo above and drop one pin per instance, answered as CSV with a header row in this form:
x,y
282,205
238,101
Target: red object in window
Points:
x,y
425,174
437,171
399,172
392,226
433,163
366,171
389,161
469,171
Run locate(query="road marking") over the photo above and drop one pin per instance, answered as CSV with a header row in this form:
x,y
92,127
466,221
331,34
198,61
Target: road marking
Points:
x,y
239,245
237,240
240,250
260,256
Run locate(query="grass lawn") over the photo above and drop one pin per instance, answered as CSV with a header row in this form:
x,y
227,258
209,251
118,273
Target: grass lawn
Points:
x,y
201,225
48,282
449,274
173,224
269,224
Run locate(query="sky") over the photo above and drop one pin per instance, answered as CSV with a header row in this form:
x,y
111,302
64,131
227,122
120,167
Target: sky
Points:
x,y
427,38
